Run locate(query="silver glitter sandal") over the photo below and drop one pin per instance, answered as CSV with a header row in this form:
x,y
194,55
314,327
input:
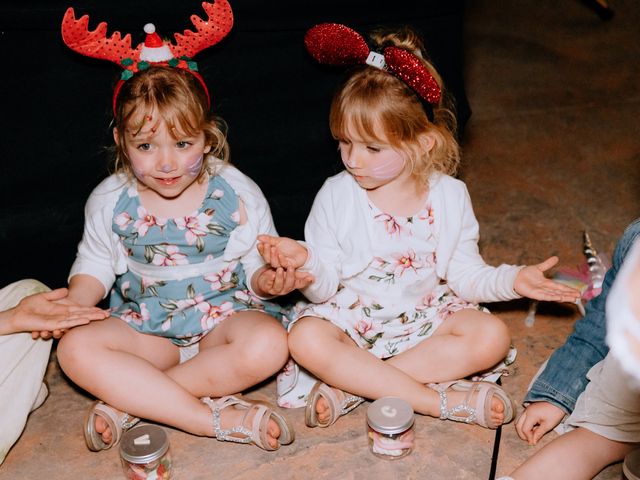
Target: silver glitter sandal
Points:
x,y
256,433
480,412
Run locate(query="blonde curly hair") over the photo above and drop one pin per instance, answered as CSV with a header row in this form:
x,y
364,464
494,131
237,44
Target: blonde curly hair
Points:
x,y
375,104
180,101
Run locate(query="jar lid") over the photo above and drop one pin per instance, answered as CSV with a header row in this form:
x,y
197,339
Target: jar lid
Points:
x,y
144,444
390,415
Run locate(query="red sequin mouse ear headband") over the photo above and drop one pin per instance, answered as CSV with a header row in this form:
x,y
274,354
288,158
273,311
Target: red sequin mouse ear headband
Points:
x,y
337,44
153,51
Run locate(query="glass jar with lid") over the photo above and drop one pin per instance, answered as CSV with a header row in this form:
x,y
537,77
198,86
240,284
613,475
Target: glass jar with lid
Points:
x,y
144,453
390,422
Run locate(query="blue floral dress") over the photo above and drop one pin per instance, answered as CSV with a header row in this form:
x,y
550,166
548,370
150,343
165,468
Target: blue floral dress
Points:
x,y
178,285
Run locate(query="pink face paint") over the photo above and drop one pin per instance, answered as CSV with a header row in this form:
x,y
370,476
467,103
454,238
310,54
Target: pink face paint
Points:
x,y
387,168
195,168
139,173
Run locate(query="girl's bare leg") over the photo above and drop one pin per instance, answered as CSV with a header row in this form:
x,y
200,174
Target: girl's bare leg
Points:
x,y
332,356
577,455
467,342
139,373
242,351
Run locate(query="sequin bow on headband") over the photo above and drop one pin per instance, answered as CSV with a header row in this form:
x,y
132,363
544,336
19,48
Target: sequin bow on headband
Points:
x,y
337,44
153,51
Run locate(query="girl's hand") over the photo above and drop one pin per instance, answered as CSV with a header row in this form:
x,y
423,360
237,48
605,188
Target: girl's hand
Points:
x,y
538,419
278,281
531,282
281,251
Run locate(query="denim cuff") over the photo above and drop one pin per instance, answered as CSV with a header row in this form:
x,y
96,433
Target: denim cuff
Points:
x,y
543,392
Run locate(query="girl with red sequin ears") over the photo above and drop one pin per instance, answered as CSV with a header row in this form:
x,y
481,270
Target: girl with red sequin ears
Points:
x,y
172,237
392,245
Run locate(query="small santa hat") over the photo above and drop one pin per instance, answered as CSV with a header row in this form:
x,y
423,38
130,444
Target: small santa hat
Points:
x,y
154,50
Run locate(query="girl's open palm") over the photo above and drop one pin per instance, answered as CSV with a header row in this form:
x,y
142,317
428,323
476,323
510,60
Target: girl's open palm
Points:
x,y
281,252
532,283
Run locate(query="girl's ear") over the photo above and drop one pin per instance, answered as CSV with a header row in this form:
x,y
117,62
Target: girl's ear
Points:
x,y
116,136
427,141
207,149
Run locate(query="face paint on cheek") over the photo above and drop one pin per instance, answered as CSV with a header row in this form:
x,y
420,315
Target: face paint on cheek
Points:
x,y
195,168
139,173
387,169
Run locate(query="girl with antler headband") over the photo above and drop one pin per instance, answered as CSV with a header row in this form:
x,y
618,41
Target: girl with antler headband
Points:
x,y
392,244
174,231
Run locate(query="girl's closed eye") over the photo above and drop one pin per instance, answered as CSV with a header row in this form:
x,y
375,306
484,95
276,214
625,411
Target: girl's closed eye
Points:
x,y
374,148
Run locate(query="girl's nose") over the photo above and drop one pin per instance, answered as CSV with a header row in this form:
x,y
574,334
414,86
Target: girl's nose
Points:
x,y
165,163
350,158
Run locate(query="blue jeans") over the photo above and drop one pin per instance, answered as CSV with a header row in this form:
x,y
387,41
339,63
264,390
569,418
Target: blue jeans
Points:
x,y
565,376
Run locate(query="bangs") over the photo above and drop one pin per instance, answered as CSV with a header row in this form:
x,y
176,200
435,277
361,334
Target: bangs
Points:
x,y
357,118
181,122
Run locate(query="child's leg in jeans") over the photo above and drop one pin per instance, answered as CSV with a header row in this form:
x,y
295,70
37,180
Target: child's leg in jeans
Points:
x,y
474,340
576,455
139,373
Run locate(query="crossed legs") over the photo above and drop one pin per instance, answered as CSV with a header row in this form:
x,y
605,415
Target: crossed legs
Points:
x,y
476,340
141,374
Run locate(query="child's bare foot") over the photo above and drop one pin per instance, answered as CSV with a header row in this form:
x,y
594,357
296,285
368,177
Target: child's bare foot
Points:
x,y
103,430
482,403
240,416
249,422
326,404
496,416
104,425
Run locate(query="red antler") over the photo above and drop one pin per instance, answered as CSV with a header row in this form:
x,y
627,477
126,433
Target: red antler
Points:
x,y
78,37
210,32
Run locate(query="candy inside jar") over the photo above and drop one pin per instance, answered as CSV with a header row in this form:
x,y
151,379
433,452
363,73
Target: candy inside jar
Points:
x,y
390,423
145,455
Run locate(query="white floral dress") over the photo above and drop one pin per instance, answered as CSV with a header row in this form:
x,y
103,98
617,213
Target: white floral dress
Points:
x,y
386,309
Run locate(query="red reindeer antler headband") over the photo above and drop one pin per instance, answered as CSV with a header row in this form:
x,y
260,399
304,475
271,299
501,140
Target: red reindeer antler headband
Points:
x,y
336,44
153,51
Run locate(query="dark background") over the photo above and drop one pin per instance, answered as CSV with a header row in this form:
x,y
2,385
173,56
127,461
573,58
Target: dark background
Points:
x,y
56,112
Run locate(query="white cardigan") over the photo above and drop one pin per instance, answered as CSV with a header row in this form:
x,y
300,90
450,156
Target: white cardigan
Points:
x,y
338,236
100,252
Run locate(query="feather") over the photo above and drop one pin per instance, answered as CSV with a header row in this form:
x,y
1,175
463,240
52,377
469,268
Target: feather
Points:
x,y
587,278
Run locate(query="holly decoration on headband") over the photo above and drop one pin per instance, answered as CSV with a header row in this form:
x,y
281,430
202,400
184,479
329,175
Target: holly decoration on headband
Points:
x,y
153,51
337,44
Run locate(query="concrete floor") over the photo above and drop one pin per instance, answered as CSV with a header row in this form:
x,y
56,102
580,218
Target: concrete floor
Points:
x,y
550,151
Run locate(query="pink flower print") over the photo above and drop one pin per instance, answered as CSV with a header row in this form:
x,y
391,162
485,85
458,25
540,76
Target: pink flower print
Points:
x,y
169,256
242,296
196,226
288,368
217,194
235,216
196,301
132,192
123,220
132,316
427,215
406,261
146,221
222,278
391,226
363,327
213,314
